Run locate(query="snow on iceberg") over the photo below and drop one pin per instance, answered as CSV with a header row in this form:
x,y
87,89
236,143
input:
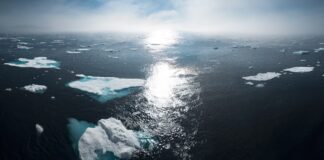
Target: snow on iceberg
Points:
x,y
299,69
37,62
23,47
262,76
35,88
319,50
109,139
300,52
106,88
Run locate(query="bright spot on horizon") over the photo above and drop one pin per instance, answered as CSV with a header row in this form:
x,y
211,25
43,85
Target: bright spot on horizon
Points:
x,y
159,40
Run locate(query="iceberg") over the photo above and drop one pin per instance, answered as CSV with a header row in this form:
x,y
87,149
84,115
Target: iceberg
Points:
x,y
262,76
300,52
109,139
35,88
299,69
104,89
23,47
319,50
37,62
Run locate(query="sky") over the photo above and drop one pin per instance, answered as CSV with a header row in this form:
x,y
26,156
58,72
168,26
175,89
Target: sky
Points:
x,y
202,16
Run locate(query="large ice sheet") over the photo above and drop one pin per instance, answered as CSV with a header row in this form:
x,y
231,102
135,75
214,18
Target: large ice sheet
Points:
x,y
35,88
299,69
106,88
109,139
262,76
37,62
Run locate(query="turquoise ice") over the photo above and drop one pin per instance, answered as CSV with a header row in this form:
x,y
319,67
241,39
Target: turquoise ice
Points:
x,y
104,89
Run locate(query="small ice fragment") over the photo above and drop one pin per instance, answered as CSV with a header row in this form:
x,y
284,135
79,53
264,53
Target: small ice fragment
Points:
x,y
58,41
321,43
39,129
300,52
83,49
37,62
42,42
283,50
52,97
23,43
262,76
260,85
319,50
35,88
299,69
133,49
303,60
23,47
8,89
249,83
250,67
73,52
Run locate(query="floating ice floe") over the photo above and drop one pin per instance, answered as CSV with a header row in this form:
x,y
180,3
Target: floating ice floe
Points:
x,y
42,42
109,139
23,47
300,52
37,62
73,52
262,76
23,43
106,88
319,50
83,49
35,88
249,83
39,129
299,69
8,89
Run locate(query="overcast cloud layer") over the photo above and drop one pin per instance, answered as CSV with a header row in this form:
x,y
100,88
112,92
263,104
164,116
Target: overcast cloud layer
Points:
x,y
208,16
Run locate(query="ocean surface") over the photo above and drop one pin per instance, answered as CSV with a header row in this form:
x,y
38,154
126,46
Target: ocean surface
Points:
x,y
162,95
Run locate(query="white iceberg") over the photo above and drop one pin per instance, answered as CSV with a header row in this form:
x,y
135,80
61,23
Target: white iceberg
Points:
x,y
300,52
262,76
299,69
319,50
109,139
23,47
106,88
73,52
39,129
37,62
35,88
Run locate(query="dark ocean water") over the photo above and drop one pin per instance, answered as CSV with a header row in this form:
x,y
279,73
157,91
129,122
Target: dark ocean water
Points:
x,y
195,103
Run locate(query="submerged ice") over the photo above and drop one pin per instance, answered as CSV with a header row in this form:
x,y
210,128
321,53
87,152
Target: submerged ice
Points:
x,y
109,139
106,88
262,76
37,62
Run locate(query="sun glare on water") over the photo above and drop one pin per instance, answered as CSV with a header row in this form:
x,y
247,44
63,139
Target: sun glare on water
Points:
x,y
159,40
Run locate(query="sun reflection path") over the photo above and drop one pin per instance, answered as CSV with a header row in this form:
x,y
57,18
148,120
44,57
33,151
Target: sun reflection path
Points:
x,y
160,40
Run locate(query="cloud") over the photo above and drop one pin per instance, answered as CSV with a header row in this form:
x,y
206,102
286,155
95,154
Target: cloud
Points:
x,y
206,16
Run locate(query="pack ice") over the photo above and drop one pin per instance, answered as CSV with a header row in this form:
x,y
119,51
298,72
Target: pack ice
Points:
x,y
37,62
106,88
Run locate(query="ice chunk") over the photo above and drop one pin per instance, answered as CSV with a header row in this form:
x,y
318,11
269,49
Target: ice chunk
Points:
x,y
23,43
35,88
8,89
260,85
83,49
23,47
249,83
37,62
319,50
109,139
106,88
262,76
299,69
73,52
110,135
300,52
39,129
